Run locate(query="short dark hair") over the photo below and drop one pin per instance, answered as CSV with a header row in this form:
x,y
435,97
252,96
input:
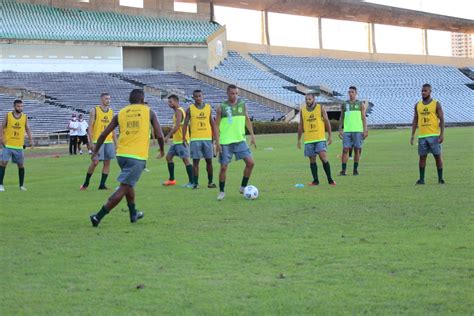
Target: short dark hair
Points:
x,y
104,94
231,86
353,88
17,101
197,91
427,85
174,97
137,96
312,94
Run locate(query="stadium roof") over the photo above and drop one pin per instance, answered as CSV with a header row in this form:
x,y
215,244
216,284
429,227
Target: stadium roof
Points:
x,y
354,10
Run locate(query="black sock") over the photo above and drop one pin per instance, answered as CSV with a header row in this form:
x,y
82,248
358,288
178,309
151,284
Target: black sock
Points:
x,y
314,171
21,176
2,174
440,174
209,178
171,170
196,180
103,211
88,179
103,179
221,185
422,173
245,181
132,210
356,165
327,169
189,170
344,166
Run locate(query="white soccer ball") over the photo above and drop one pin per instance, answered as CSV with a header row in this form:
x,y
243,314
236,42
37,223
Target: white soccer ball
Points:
x,y
250,192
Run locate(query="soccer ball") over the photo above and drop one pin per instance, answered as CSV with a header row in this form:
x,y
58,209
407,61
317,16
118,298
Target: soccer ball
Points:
x,y
250,192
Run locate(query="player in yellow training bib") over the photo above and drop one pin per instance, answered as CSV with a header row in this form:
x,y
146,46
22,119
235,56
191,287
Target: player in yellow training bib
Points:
x,y
429,118
313,124
134,123
179,147
14,126
99,118
201,128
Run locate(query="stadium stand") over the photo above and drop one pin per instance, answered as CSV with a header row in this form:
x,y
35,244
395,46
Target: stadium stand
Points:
x,y
40,22
394,88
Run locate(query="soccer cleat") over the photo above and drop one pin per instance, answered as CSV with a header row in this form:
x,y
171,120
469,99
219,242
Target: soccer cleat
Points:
x,y
342,173
2,188
138,216
189,185
80,152
83,188
419,182
169,183
333,183
195,186
355,173
211,186
221,196
103,187
441,181
94,220
90,152
314,183
23,188
241,190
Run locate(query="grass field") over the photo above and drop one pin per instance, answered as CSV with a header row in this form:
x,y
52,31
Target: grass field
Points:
x,y
374,244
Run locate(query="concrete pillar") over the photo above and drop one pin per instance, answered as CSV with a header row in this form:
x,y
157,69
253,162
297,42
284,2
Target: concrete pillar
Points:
x,y
266,35
372,35
425,41
320,32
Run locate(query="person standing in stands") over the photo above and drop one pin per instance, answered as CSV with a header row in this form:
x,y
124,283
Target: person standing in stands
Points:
x,y
99,118
73,127
82,134
429,117
231,120
352,129
14,126
178,148
201,130
134,123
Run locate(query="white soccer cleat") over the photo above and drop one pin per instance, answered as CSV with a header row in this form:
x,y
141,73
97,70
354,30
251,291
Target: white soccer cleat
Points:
x,y
221,196
2,188
241,190
22,188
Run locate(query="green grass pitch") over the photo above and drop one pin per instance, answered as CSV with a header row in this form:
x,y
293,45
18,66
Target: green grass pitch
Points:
x,y
374,244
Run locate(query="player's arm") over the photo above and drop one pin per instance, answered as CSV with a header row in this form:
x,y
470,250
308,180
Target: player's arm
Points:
x,y
179,117
91,125
414,125
327,124
185,125
341,120
217,123
213,126
3,126
440,114
109,129
158,132
248,124
300,130
28,132
364,121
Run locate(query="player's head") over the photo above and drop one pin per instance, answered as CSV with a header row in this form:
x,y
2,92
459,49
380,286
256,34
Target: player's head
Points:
x,y
426,91
137,96
232,92
173,101
197,96
18,106
81,117
73,116
309,99
105,99
352,93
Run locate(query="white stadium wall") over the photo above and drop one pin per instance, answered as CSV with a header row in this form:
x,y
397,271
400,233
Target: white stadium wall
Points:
x,y
56,58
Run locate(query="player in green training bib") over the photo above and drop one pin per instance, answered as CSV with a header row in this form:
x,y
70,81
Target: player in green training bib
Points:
x,y
231,120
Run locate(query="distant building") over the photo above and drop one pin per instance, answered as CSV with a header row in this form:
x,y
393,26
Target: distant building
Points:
x,y
461,45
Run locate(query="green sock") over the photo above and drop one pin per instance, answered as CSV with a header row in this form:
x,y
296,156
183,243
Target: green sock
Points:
x,y
189,170
103,179
327,169
103,211
344,166
2,174
131,209
221,185
422,173
171,170
88,179
314,171
440,174
21,176
196,180
245,181
209,178
356,165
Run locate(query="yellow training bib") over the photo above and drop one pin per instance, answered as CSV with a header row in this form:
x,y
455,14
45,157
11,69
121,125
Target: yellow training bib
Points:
x,y
14,132
178,136
134,125
102,120
313,124
200,127
428,121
